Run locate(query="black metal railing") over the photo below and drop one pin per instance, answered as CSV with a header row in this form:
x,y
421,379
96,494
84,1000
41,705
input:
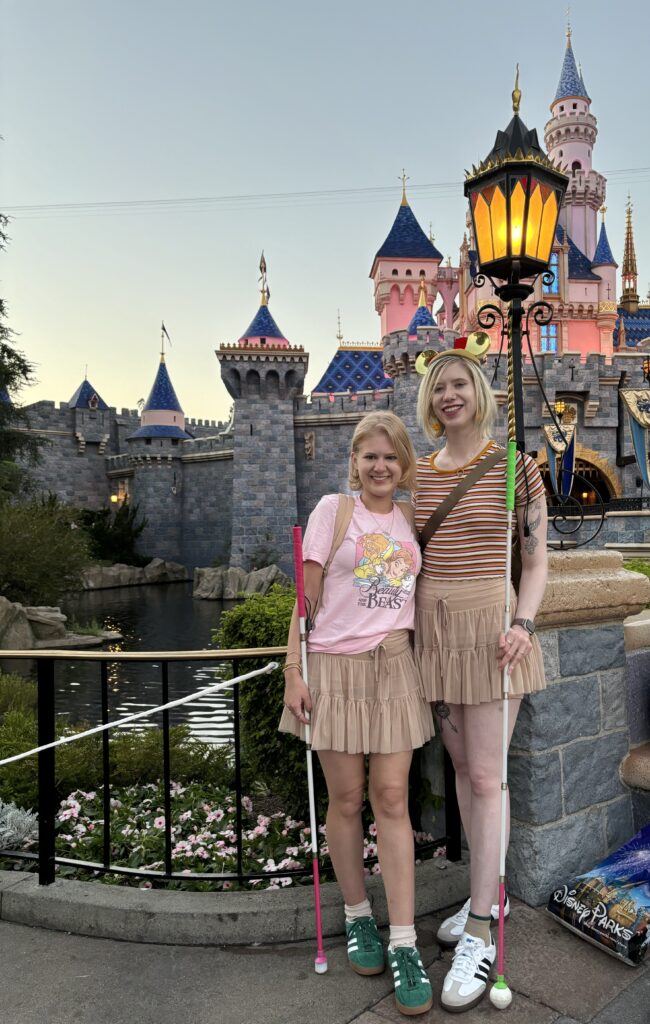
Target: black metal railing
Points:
x,y
47,795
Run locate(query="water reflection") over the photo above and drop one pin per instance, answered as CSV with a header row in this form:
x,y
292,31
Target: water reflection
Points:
x,y
152,618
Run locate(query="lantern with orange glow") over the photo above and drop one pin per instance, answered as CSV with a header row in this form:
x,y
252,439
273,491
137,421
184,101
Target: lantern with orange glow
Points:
x,y
515,197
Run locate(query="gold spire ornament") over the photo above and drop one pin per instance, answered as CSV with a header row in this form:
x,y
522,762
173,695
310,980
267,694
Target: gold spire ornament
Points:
x,y
403,177
516,94
422,297
603,211
629,256
264,301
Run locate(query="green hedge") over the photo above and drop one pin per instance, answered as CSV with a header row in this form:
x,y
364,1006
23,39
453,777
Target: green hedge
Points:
x,y
136,757
276,760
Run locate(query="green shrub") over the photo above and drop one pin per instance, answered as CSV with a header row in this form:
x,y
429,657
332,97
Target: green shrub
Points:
x,y
136,757
637,565
113,535
275,759
42,551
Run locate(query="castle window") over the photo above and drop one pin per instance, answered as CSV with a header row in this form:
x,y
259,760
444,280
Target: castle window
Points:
x,y
147,440
560,153
394,273
554,267
175,442
262,341
409,273
548,338
576,166
562,109
575,106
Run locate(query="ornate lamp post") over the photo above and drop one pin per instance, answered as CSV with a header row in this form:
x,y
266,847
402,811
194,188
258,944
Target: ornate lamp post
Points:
x,y
515,196
560,408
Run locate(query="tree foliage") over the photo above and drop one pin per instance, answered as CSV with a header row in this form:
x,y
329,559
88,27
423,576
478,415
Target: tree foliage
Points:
x,y
113,534
43,551
15,373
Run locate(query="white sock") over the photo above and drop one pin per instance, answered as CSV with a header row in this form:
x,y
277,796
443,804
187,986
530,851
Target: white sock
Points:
x,y
402,935
356,910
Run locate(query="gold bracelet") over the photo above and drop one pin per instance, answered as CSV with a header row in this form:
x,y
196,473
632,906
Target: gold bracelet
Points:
x,y
292,664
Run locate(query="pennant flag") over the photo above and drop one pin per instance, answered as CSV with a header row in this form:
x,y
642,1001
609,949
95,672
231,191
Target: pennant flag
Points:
x,y
164,331
637,402
561,444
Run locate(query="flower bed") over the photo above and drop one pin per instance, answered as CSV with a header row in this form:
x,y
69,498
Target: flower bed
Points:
x,y
204,839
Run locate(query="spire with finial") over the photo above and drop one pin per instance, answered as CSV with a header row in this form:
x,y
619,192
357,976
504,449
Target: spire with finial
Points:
x,y
339,333
264,290
403,177
568,25
603,255
422,316
263,330
571,81
516,94
630,298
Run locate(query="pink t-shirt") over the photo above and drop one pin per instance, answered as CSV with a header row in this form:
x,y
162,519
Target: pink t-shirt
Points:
x,y
370,585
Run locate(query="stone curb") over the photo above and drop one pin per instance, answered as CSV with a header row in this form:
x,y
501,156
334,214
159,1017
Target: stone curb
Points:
x,y
208,919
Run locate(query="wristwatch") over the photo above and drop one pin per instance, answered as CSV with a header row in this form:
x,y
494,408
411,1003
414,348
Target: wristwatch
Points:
x,y
528,624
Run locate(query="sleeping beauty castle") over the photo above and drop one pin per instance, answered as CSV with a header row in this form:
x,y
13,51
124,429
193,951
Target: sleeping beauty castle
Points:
x,y
229,492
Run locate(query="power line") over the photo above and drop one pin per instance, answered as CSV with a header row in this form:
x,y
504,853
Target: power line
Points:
x,y
373,193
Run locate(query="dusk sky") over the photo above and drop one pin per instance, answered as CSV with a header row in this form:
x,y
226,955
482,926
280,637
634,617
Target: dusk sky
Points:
x,y
195,132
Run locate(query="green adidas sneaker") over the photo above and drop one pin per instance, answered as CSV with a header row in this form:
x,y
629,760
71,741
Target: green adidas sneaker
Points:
x,y
365,948
413,993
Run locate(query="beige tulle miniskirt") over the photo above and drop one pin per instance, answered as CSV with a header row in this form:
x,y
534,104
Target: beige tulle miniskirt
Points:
x,y
457,629
370,703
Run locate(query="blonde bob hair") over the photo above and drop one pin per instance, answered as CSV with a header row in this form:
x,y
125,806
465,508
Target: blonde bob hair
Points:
x,y
486,406
391,425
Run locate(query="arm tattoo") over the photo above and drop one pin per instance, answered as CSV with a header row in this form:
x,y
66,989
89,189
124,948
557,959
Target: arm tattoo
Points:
x,y
531,541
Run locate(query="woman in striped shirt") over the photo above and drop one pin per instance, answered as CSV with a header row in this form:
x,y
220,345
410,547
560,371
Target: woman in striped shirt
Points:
x,y
460,646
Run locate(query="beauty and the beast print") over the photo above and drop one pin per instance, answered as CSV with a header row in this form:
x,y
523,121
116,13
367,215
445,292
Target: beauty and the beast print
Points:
x,y
385,570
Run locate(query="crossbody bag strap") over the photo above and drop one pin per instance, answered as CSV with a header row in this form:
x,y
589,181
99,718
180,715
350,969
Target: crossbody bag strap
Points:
x,y
444,508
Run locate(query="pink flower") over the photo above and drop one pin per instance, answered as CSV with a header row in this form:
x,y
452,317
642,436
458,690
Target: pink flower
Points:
x,y
227,885
247,804
185,816
372,829
146,884
159,822
376,869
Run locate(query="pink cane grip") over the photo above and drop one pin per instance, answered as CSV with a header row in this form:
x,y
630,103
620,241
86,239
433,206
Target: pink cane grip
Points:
x,y
297,561
502,935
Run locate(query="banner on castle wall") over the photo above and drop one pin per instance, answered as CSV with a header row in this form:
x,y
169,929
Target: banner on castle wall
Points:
x,y
609,906
637,403
561,456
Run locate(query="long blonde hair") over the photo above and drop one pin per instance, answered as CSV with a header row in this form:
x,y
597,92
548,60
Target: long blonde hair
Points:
x,y
486,406
391,425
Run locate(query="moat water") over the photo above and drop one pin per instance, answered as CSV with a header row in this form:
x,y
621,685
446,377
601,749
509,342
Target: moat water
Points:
x,y
150,618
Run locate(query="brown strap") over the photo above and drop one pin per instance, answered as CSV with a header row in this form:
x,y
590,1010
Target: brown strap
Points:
x,y
444,508
342,520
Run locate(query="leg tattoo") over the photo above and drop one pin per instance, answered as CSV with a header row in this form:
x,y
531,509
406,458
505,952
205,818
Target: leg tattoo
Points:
x,y
443,712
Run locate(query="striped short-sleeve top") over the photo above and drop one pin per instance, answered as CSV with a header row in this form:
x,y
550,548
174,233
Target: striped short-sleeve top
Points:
x,y
471,541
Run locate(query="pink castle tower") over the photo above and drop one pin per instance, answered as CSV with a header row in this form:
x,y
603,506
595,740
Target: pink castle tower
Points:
x,y
406,258
569,137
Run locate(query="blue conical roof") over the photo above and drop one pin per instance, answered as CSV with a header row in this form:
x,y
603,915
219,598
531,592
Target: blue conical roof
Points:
x,y
263,326
162,394
83,395
421,318
571,81
603,253
407,240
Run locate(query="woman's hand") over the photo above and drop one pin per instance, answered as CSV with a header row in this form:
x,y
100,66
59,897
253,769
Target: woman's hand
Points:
x,y
513,647
296,695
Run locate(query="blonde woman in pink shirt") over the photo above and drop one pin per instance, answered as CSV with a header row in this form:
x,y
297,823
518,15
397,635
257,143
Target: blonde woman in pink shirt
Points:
x,y
365,697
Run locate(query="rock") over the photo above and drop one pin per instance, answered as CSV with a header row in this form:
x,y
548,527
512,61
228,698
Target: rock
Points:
x,y
100,577
159,571
15,630
226,584
589,587
46,623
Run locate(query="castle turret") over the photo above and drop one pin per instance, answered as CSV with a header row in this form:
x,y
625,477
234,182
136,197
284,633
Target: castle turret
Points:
x,y
263,374
91,417
162,415
605,266
630,297
422,317
570,136
406,257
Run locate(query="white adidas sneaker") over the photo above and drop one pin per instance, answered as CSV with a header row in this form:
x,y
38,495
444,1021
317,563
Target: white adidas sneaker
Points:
x,y
466,980
453,927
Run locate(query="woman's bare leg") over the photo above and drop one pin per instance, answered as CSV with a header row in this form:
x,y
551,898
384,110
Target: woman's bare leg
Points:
x,y
345,776
388,791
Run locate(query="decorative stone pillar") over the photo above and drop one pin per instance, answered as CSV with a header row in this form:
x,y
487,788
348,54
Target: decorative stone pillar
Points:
x,y
569,806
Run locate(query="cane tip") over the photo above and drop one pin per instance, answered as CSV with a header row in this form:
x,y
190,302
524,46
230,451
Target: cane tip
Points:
x,y
500,995
320,965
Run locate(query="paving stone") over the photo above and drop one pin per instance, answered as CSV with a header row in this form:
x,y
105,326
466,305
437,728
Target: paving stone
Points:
x,y
590,770
631,1006
559,714
591,649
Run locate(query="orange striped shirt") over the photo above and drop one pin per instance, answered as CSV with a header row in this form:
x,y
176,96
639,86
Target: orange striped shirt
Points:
x,y
471,541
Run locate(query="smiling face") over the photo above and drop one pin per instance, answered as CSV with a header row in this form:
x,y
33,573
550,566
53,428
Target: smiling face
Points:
x,y
378,466
453,401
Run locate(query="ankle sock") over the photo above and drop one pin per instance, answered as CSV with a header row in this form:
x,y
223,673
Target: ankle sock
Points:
x,y
479,927
401,935
355,910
